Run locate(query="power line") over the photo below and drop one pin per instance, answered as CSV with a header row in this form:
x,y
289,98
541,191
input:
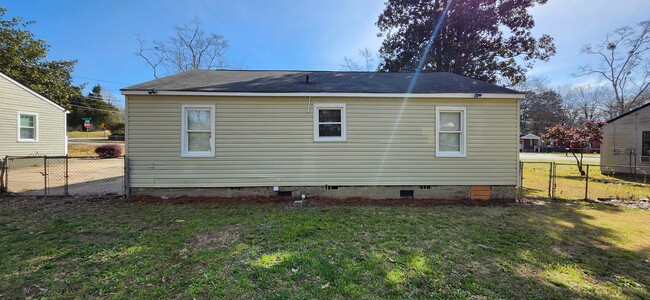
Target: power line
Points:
x,y
79,106
103,99
102,80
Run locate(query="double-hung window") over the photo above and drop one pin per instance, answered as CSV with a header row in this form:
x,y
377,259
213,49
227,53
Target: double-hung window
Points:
x,y
329,122
27,127
197,137
451,131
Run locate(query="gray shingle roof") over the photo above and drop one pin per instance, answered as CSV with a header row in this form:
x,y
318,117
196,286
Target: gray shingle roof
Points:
x,y
320,82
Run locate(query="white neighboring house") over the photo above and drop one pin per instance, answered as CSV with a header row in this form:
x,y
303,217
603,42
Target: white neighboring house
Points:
x,y
626,142
30,124
530,143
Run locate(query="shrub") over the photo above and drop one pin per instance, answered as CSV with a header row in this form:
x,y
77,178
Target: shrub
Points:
x,y
116,128
109,151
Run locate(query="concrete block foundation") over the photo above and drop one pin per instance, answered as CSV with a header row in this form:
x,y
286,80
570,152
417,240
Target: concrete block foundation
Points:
x,y
442,192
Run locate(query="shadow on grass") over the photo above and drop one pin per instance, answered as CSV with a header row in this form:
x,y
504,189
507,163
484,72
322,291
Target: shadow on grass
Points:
x,y
560,250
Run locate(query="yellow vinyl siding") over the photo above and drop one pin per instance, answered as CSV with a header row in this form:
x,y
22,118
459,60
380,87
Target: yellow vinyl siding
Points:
x,y
269,141
51,123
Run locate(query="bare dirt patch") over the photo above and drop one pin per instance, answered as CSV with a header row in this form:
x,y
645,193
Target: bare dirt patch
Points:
x,y
219,239
316,201
212,200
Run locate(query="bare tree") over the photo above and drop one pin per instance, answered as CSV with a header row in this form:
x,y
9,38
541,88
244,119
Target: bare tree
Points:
x,y
188,49
542,106
585,102
625,64
369,61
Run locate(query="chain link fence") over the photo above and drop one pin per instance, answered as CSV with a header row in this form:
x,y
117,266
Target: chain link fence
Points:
x,y
594,182
64,176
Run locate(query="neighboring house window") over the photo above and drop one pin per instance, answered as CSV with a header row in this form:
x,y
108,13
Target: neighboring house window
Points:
x,y
645,144
27,127
451,131
198,131
329,122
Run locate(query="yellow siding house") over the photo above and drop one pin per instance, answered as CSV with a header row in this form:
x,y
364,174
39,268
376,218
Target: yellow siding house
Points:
x,y
322,134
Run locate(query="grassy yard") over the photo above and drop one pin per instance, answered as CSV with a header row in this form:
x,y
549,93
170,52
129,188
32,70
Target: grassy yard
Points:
x,y
571,185
91,134
126,249
81,150
77,150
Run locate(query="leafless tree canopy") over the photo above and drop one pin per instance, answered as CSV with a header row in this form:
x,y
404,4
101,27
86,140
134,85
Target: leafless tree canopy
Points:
x,y
625,64
369,61
585,102
188,49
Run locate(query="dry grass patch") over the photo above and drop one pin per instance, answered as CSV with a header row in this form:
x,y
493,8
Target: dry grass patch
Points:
x,y
218,239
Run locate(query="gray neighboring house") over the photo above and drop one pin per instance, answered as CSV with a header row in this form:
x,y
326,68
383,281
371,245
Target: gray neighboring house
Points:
x,y
323,134
626,142
30,124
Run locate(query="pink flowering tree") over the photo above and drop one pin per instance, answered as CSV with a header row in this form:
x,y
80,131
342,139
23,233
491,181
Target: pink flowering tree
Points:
x,y
576,138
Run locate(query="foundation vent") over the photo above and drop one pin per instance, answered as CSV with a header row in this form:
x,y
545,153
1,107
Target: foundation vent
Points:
x,y
235,188
284,193
425,187
331,187
406,193
481,192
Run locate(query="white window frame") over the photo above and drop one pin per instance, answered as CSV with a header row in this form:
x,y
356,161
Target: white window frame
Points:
x,y
18,138
185,136
463,131
317,108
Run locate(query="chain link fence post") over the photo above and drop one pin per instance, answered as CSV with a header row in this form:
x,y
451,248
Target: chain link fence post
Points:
x,y
587,184
554,179
3,169
126,176
65,176
45,176
550,180
520,190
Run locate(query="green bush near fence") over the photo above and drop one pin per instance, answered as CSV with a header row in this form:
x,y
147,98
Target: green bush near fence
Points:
x,y
539,178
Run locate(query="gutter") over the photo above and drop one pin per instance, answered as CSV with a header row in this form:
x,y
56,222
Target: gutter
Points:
x,y
309,94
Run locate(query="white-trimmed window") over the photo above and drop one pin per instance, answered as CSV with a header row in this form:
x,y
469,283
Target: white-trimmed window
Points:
x,y
27,127
329,122
197,136
451,131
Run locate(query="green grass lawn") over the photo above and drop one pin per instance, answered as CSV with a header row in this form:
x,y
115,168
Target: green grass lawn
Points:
x,y
571,185
91,134
61,248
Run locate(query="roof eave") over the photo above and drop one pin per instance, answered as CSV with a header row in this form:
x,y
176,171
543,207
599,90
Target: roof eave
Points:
x,y
629,112
61,108
154,92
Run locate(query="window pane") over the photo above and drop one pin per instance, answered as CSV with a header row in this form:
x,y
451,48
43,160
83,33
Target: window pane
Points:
x,y
450,121
198,120
198,141
645,147
329,130
26,121
329,115
449,142
27,133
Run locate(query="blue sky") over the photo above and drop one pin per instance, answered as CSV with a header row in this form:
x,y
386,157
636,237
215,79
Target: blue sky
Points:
x,y
296,35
